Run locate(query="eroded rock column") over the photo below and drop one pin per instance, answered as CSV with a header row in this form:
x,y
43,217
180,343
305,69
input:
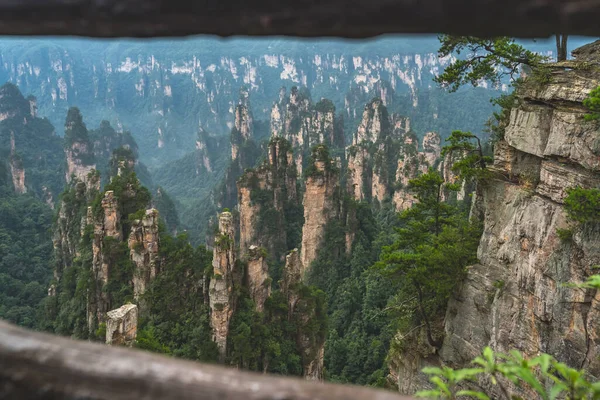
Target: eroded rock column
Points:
x,y
221,285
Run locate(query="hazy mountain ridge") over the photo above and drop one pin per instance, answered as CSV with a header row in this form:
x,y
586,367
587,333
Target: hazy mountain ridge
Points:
x,y
163,93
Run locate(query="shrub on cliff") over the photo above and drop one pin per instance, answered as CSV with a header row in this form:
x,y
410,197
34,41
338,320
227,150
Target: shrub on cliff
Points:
x,y
583,205
593,104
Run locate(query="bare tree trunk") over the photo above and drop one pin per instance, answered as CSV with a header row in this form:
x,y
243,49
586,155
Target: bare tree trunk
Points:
x,y
561,47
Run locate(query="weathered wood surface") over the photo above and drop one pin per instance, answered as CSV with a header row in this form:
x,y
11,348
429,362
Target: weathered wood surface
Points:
x,y
347,18
34,365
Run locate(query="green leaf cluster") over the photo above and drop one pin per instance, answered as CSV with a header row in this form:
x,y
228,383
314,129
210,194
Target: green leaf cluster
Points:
x,y
543,376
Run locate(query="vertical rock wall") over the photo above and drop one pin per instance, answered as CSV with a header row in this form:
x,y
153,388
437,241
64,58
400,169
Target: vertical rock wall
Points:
x,y
143,246
257,273
516,297
221,285
321,205
106,225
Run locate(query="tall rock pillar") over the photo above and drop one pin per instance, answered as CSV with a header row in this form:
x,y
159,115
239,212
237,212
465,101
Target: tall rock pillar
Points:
x,y
222,300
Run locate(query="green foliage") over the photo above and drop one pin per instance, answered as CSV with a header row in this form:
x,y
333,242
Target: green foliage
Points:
x,y
224,242
325,106
565,235
269,341
542,375
166,208
37,149
593,282
359,331
472,163
434,245
25,255
176,319
489,60
101,332
583,205
592,102
319,154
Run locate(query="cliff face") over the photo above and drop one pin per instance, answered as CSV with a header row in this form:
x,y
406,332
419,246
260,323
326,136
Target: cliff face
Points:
x,y
259,283
143,246
79,150
222,301
515,298
321,203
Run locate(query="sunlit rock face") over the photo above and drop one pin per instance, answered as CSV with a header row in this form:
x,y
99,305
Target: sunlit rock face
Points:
x,y
321,205
143,246
121,325
221,285
259,283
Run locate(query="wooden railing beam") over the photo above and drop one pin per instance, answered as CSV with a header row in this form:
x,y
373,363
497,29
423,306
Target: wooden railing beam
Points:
x,y
36,365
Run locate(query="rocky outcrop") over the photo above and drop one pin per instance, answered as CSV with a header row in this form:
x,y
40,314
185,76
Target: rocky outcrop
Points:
x,y
385,156
265,195
305,124
79,150
121,325
321,203
292,276
107,235
221,292
257,276
412,163
18,174
243,124
244,152
359,173
375,121
143,246
431,152
516,297
16,168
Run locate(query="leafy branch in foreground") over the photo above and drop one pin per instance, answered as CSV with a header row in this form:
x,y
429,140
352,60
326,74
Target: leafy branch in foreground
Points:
x,y
542,375
490,60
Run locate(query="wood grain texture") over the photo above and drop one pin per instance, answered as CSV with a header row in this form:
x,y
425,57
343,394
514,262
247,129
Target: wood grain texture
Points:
x,y
42,366
346,18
